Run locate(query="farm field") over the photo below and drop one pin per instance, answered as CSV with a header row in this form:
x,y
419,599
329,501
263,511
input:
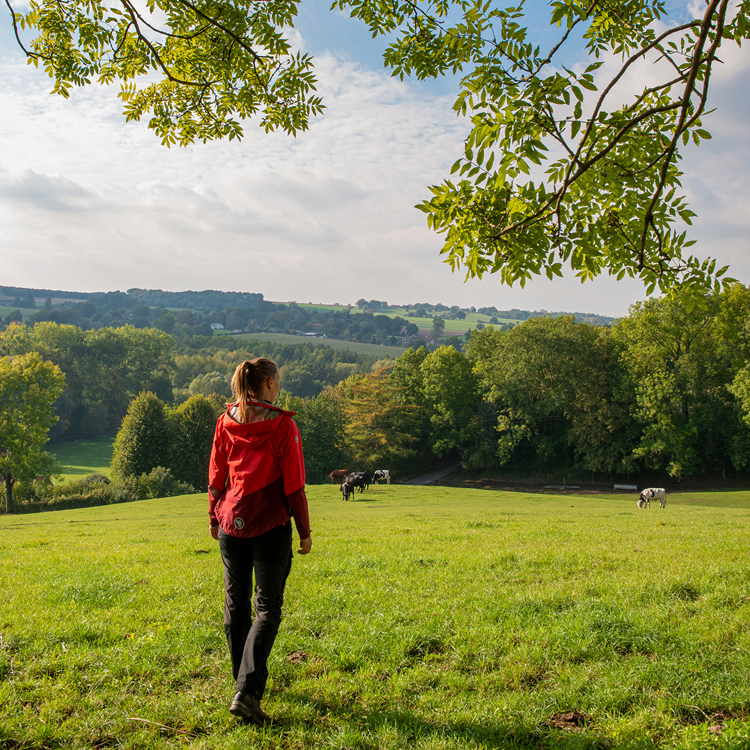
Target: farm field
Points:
x,y
25,311
79,458
425,617
469,322
288,338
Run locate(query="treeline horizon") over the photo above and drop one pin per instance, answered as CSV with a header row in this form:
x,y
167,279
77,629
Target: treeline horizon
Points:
x,y
664,389
106,368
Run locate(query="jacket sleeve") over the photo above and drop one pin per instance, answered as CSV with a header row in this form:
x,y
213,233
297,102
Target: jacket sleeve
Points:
x,y
218,471
292,464
291,460
298,508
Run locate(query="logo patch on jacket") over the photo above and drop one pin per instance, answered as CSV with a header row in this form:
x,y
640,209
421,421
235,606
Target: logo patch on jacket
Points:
x,y
238,523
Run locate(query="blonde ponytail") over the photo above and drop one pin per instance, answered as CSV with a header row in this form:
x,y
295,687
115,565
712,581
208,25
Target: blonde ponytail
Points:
x,y
247,382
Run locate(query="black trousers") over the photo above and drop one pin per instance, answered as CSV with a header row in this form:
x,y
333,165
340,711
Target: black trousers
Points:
x,y
268,558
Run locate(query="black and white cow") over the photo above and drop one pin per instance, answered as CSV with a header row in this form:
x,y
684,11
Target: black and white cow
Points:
x,y
653,493
381,474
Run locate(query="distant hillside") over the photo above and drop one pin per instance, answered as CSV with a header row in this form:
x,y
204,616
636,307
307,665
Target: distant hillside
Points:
x,y
17,291
210,312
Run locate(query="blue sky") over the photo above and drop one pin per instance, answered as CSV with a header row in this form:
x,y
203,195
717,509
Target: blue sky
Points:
x,y
89,202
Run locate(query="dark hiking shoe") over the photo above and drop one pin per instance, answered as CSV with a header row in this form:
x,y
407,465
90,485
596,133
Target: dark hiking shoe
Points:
x,y
247,707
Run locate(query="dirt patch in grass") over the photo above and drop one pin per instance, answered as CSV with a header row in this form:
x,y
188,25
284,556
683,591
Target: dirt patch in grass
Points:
x,y
568,720
297,657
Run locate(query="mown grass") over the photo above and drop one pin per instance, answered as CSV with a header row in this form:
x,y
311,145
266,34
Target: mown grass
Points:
x,y
79,458
425,617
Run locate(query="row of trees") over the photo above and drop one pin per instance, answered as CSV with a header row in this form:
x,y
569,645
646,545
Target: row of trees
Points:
x,y
106,368
110,310
179,439
665,389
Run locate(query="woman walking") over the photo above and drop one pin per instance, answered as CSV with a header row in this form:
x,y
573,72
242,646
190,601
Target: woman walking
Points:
x,y
256,484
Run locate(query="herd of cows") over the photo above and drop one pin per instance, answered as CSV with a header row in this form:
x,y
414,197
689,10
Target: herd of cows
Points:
x,y
358,479
363,479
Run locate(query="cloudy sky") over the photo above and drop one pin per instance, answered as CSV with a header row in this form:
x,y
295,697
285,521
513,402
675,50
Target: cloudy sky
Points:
x,y
89,202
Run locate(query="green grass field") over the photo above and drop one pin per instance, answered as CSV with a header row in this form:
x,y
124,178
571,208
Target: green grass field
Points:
x,y
79,458
288,338
25,311
461,326
425,617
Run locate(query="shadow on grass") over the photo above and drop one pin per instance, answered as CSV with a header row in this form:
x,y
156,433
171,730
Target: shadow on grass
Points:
x,y
487,734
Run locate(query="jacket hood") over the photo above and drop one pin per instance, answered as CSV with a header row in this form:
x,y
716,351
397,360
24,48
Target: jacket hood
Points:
x,y
253,434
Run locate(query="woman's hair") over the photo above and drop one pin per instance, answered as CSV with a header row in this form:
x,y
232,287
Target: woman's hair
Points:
x,y
248,380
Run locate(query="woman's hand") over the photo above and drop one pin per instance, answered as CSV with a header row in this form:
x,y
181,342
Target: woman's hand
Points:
x,y
214,531
305,545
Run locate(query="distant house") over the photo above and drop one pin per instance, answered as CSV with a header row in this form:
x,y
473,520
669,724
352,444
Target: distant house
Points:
x,y
217,326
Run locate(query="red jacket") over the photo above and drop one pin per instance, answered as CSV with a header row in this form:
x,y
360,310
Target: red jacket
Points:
x,y
261,469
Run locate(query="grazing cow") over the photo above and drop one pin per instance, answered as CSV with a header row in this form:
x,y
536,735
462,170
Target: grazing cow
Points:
x,y
361,479
338,475
381,474
347,488
653,493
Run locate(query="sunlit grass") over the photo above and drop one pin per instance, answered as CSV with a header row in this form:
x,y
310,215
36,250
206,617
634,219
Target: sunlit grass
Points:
x,y
425,617
79,458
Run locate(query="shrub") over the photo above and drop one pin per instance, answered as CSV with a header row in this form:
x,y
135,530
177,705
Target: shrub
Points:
x,y
96,489
161,483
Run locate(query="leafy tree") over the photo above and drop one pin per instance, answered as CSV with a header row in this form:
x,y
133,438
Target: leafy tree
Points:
x,y
450,394
681,371
192,426
29,387
534,376
211,382
144,440
322,424
379,430
438,326
196,68
605,191
406,382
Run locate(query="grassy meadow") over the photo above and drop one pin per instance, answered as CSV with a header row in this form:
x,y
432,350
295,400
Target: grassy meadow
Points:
x,y
25,311
79,458
461,326
425,617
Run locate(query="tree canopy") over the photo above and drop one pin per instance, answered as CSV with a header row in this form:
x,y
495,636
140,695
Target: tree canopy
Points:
x,y
29,388
561,165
